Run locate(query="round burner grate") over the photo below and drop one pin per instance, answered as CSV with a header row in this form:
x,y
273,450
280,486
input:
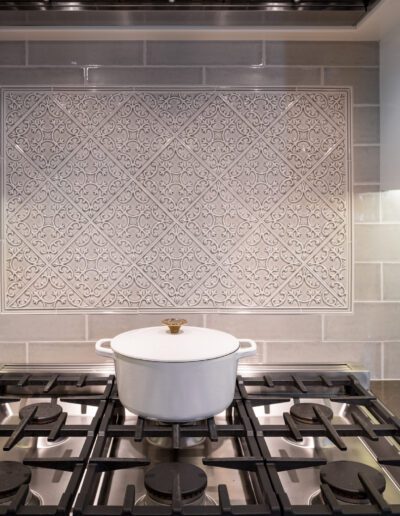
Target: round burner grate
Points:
x,y
343,479
304,412
45,413
12,476
159,481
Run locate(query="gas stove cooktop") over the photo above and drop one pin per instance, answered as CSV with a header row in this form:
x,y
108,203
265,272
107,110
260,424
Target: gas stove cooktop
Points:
x,y
296,440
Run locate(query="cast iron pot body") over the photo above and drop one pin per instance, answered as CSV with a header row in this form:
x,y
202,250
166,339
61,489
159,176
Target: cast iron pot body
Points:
x,y
176,378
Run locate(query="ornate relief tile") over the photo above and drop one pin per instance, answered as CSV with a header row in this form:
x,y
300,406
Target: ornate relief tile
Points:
x,y
303,136
187,199
90,178
133,222
302,221
261,265
258,109
304,290
176,108
176,264
132,135
21,181
218,220
217,135
220,291
261,178
90,266
90,109
175,178
46,135
47,220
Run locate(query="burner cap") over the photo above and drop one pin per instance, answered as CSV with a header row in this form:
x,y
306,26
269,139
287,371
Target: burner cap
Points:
x,y
304,412
159,481
45,413
12,476
342,477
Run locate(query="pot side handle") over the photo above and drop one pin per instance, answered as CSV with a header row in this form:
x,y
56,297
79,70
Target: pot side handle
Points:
x,y
102,351
247,351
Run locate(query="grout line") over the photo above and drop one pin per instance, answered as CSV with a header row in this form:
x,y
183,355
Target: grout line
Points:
x,y
382,360
86,327
204,320
381,273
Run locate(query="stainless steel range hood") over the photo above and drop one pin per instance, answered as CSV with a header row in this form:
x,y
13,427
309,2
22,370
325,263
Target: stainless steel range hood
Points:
x,y
183,13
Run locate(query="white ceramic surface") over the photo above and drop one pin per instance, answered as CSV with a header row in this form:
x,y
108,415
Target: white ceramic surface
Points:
x,y
177,391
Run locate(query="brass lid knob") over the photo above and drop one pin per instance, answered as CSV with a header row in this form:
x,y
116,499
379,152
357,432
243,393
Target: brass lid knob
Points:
x,y
174,325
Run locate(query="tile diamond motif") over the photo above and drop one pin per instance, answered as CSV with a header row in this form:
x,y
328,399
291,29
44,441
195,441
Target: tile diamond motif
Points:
x,y
118,200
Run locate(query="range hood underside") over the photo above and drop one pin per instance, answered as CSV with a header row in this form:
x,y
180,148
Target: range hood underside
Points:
x,y
184,13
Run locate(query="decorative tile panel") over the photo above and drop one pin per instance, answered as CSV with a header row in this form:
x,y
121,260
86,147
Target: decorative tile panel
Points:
x,y
176,200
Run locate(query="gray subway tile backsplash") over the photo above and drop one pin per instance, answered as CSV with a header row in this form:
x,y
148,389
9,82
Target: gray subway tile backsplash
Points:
x,y
370,322
366,124
42,327
60,53
39,76
265,76
12,53
323,53
357,337
149,75
366,164
377,242
204,53
365,82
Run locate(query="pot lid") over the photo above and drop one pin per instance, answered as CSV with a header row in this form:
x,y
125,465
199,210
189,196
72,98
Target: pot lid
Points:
x,y
189,344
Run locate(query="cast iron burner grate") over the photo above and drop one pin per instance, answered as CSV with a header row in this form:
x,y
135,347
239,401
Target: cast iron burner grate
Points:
x,y
348,480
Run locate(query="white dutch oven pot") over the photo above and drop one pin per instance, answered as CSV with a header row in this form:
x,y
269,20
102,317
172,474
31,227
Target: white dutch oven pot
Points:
x,y
176,375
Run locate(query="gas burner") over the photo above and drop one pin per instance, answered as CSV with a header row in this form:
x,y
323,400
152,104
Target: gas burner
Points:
x,y
13,475
159,482
304,412
343,479
45,413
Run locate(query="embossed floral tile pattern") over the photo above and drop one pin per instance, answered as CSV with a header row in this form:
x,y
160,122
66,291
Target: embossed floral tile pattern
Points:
x,y
148,200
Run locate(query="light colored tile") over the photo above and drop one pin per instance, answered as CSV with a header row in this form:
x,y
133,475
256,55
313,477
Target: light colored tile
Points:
x,y
391,281
369,322
366,164
268,327
367,281
12,53
366,354
27,76
108,325
366,124
366,203
268,76
144,76
12,353
377,242
365,82
391,360
38,327
391,206
204,52
63,352
323,53
85,53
